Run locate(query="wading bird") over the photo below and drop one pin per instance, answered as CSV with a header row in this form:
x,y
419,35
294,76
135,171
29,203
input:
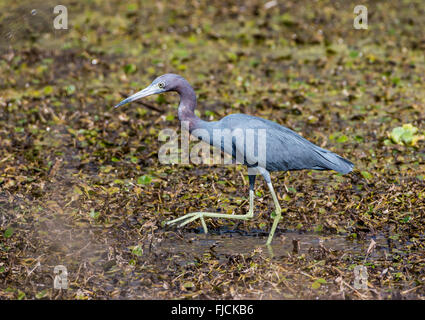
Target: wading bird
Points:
x,y
284,149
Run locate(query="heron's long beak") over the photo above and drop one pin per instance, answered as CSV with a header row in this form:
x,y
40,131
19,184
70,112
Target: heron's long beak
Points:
x,y
141,94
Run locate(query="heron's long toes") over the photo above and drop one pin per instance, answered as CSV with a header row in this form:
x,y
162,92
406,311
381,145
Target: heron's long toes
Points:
x,y
196,216
186,216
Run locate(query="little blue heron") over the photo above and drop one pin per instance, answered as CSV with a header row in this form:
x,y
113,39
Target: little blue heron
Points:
x,y
285,150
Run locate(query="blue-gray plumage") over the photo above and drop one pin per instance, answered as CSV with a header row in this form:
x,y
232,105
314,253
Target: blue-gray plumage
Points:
x,y
286,150
283,149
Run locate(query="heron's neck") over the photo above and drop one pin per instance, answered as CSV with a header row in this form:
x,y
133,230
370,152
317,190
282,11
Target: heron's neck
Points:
x,y
187,106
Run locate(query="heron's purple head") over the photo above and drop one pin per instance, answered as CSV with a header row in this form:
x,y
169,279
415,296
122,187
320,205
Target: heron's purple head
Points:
x,y
164,83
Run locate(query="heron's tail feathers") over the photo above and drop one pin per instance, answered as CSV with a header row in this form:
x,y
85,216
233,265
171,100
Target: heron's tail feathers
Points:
x,y
332,161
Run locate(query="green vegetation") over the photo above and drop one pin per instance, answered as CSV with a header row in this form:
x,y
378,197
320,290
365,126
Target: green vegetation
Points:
x,y
406,134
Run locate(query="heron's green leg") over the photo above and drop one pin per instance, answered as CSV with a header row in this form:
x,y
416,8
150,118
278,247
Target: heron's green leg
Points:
x,y
188,218
278,213
278,210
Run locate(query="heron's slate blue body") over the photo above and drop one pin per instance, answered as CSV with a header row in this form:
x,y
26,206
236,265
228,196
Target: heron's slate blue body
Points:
x,y
286,150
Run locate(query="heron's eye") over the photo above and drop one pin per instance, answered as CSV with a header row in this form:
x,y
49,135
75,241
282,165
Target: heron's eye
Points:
x,y
161,85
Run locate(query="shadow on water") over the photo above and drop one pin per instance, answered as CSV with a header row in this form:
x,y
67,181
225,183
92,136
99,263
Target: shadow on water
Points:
x,y
232,242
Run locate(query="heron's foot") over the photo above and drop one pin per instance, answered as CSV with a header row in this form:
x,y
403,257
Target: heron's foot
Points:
x,y
188,218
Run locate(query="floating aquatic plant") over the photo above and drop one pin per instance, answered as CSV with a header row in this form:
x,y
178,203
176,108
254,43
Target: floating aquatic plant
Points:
x,y
405,135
